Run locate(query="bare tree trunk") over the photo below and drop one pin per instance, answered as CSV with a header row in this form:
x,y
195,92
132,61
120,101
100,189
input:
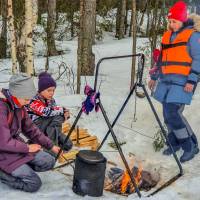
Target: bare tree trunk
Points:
x,y
131,22
71,16
80,47
134,29
12,35
86,58
3,36
143,12
19,23
164,14
120,19
51,24
35,13
40,10
29,37
156,21
72,24
148,17
126,18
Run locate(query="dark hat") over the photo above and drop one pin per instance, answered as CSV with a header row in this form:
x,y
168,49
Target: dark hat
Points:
x,y
45,81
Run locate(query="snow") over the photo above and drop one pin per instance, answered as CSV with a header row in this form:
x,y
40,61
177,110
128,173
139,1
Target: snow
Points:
x,y
115,83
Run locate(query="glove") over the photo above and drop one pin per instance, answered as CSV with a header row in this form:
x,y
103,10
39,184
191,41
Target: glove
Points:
x,y
87,105
90,102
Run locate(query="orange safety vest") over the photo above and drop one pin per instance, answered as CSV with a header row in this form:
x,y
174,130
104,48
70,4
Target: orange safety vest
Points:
x,y
175,56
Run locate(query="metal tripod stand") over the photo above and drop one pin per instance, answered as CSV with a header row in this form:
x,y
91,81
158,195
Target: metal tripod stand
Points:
x,y
138,83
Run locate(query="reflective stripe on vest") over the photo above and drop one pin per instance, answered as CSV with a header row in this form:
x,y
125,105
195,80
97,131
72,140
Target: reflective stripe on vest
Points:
x,y
175,56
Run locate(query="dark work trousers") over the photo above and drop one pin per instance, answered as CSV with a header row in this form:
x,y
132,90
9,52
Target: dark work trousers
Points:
x,y
52,127
180,132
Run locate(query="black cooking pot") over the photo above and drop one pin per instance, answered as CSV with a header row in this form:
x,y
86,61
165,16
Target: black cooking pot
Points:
x,y
89,173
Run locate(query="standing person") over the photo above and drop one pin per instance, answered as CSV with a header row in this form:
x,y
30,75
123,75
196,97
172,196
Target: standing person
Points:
x,y
179,67
20,161
46,114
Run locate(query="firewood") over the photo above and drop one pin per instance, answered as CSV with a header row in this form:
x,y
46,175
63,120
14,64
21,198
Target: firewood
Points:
x,y
65,127
148,181
87,139
113,181
82,136
95,146
71,155
86,144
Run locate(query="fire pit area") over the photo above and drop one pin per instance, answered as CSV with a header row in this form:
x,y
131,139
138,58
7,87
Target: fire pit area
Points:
x,y
118,180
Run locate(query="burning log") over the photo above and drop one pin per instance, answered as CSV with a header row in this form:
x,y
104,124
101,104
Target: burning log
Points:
x,y
148,181
118,181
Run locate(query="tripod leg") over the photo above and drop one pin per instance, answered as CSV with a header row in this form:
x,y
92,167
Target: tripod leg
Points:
x,y
162,128
70,132
119,148
118,115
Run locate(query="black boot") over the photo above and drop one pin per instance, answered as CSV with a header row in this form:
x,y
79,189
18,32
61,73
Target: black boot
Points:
x,y
195,141
6,177
174,142
188,148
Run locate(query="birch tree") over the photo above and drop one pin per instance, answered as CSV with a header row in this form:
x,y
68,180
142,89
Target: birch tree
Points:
x,y
12,36
29,36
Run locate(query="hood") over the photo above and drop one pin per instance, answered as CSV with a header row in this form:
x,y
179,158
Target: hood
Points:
x,y
196,21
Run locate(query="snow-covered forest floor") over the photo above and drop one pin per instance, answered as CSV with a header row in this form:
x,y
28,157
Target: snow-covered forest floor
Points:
x,y
138,134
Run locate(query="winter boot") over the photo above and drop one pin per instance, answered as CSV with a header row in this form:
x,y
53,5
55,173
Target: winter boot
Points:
x,y
6,177
194,139
174,142
188,148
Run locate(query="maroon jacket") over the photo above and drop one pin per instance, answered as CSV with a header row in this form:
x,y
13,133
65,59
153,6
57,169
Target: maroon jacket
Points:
x,y
13,149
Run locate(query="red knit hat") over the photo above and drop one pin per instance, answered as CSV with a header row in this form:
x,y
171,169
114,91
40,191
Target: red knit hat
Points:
x,y
178,11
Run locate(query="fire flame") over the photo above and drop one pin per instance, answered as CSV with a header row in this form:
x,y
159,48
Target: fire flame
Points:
x,y
126,180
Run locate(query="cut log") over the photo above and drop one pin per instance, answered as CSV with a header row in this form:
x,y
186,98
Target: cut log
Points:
x,y
84,135
71,155
87,144
65,127
87,139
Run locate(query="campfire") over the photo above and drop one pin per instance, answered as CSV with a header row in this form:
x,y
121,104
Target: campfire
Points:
x,y
118,180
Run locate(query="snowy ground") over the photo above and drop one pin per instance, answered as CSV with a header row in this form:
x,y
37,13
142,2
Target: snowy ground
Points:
x,y
115,83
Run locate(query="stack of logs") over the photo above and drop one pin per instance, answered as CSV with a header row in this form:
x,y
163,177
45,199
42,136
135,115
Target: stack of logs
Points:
x,y
80,138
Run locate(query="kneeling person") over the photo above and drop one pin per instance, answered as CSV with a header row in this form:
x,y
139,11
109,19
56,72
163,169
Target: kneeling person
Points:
x,y
20,161
46,114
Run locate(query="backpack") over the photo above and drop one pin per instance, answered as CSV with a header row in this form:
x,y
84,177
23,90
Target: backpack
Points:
x,y
10,112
